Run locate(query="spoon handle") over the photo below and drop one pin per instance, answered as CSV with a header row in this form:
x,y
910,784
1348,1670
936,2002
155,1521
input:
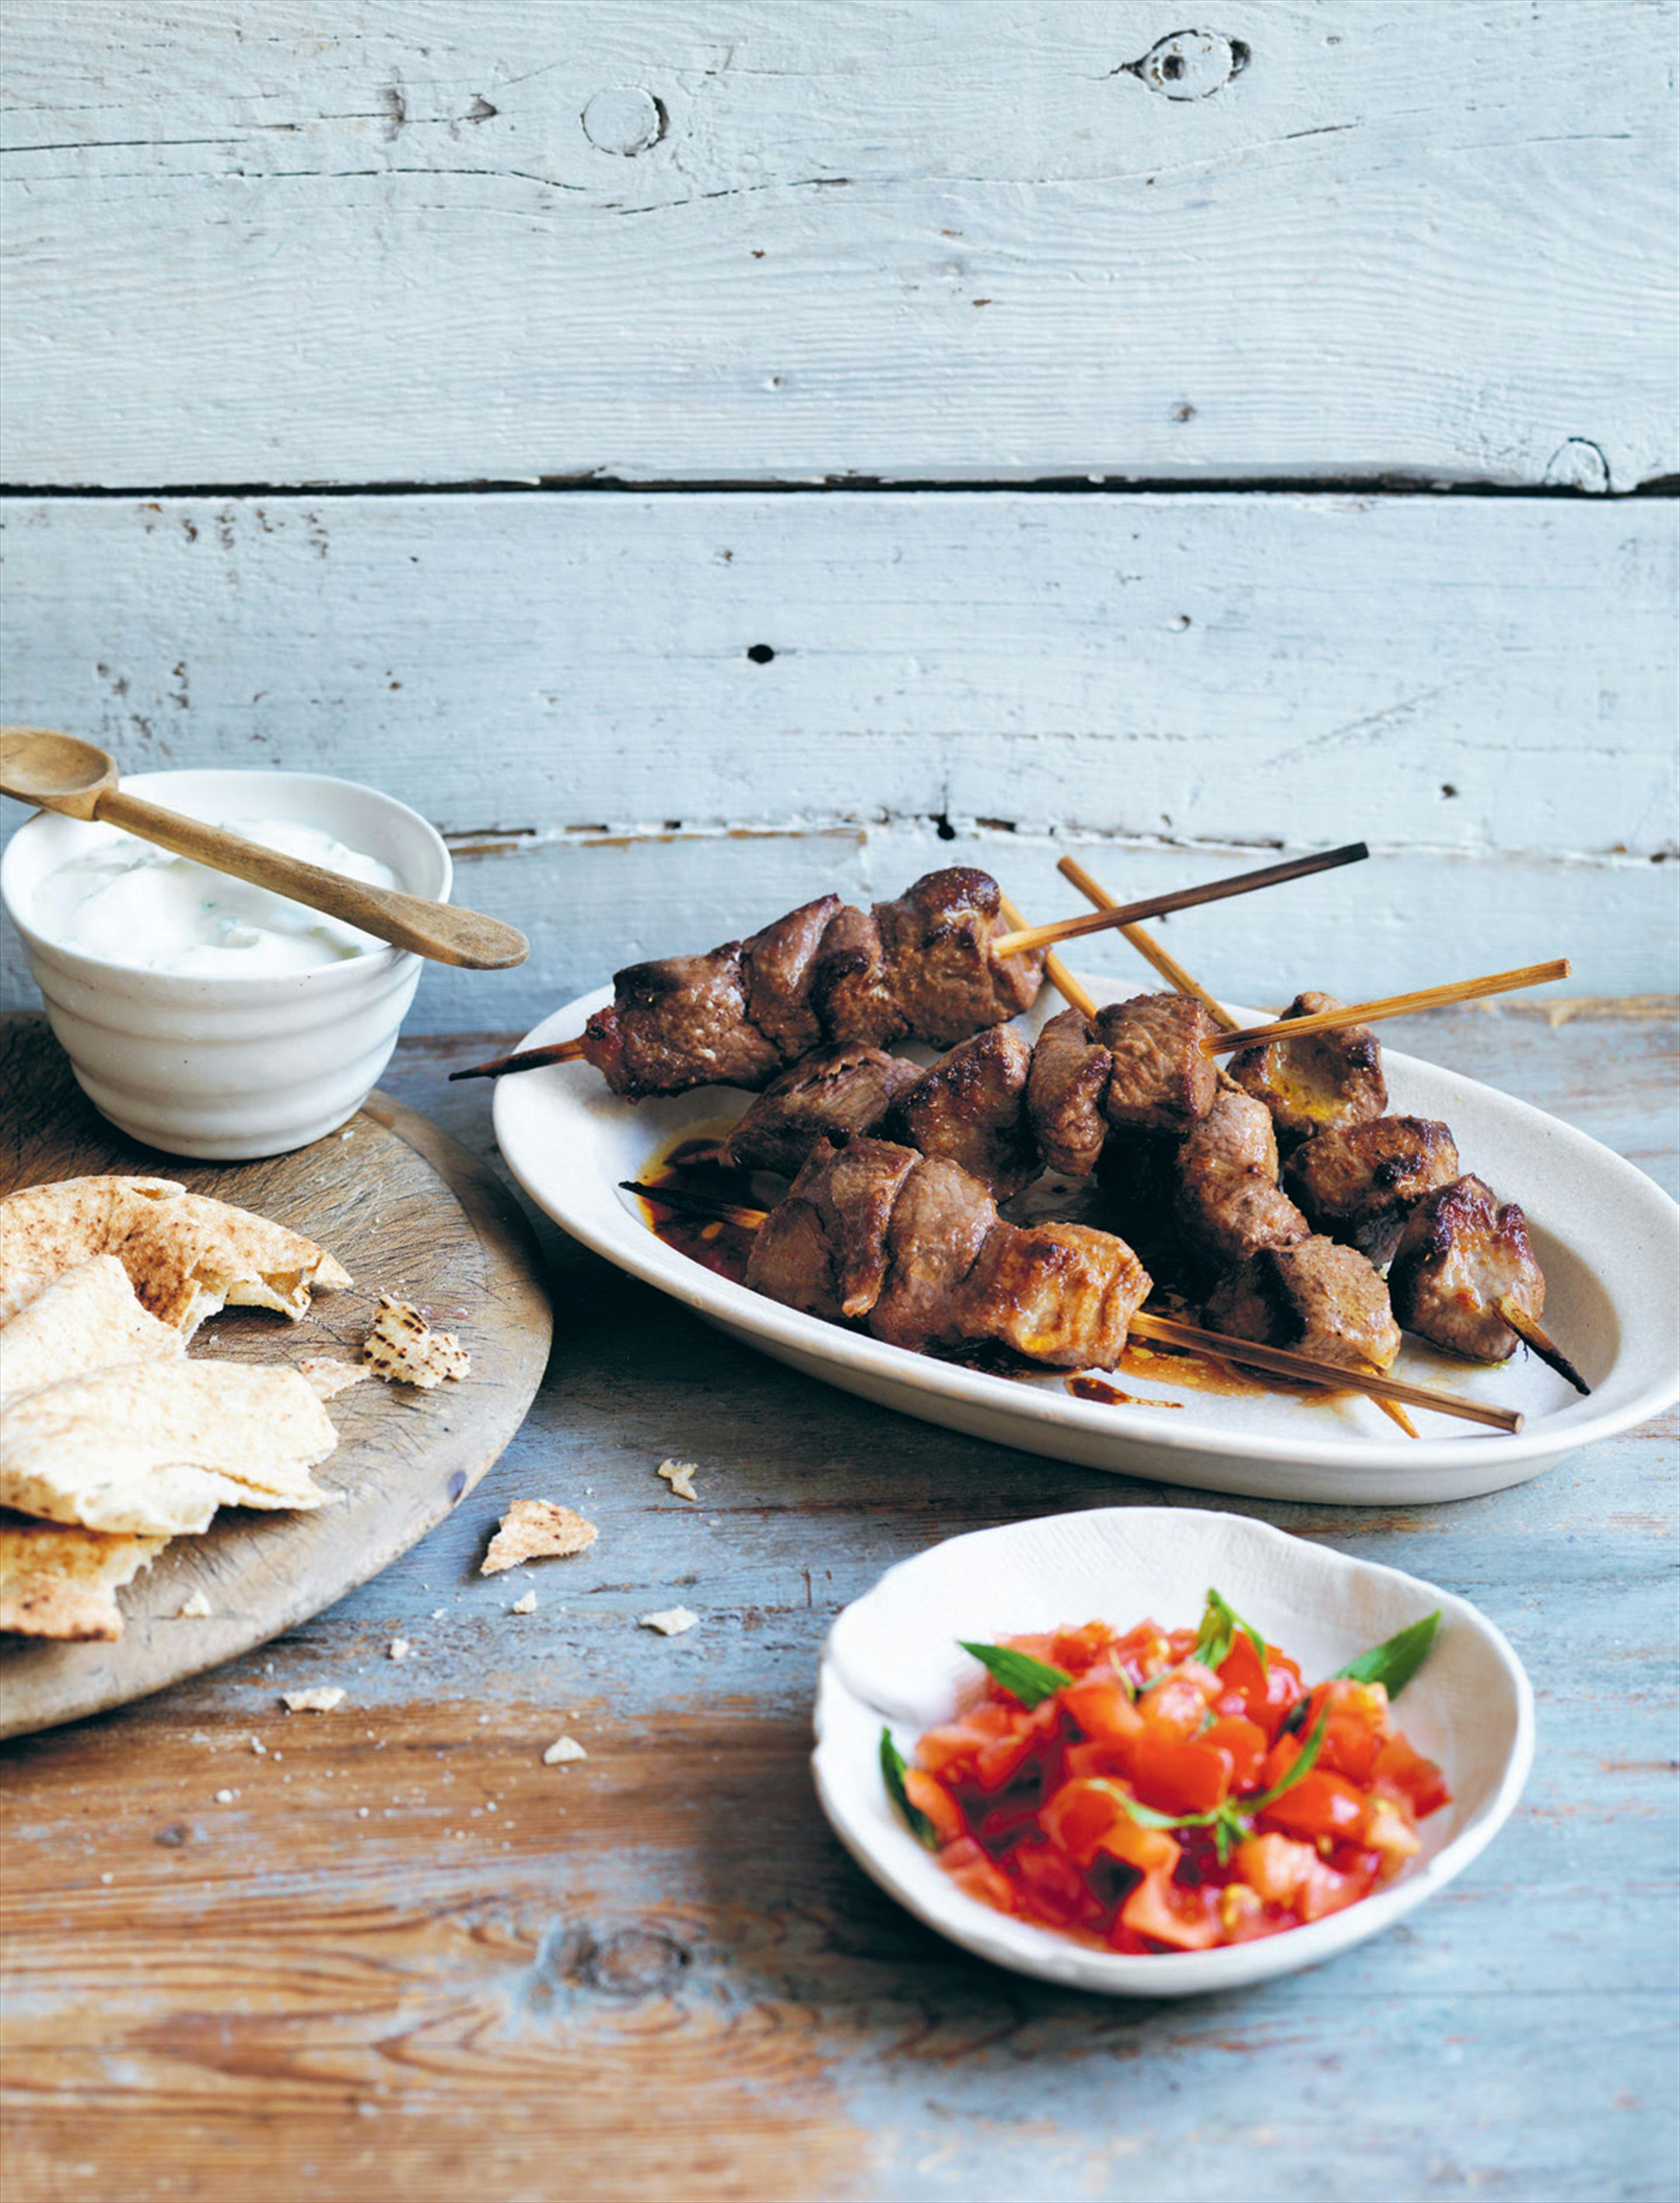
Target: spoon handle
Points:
x,y
437,929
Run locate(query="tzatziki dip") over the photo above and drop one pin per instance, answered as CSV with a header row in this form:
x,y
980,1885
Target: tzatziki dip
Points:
x,y
134,904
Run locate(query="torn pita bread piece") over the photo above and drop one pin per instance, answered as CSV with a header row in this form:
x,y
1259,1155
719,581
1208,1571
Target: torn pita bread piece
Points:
x,y
186,1255
156,1447
62,1582
403,1348
536,1530
326,1376
87,1319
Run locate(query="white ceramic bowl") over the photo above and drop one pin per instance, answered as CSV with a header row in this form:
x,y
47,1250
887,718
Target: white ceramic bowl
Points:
x,y
229,1068
893,1659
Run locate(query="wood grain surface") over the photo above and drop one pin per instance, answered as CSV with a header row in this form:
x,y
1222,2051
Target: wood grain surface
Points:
x,y
573,688
424,242
408,1213
406,1959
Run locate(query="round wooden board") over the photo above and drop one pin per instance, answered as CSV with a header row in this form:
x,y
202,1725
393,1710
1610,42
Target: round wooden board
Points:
x,y
407,1211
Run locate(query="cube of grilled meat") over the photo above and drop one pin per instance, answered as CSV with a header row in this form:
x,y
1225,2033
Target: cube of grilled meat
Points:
x,y
851,983
680,1022
824,1247
833,1093
1318,1081
1065,1091
1358,1182
1228,1202
937,936
1460,1253
971,1108
940,1224
1313,1297
1058,1293
779,962
1163,1079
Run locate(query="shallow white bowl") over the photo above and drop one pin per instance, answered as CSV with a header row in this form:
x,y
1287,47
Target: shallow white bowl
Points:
x,y
1606,1236
227,1069
893,1659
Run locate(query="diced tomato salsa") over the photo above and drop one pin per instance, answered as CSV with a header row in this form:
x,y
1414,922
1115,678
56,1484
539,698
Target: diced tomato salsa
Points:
x,y
1057,1811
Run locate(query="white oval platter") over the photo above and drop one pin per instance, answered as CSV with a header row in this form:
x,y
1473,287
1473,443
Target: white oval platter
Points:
x,y
1606,1237
892,1660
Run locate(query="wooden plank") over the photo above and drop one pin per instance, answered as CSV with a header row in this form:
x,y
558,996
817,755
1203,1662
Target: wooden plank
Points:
x,y
424,244
1482,689
655,1969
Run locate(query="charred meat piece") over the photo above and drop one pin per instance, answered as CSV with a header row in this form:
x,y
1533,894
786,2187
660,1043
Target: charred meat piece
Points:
x,y
940,1224
1228,1202
1315,1298
1358,1182
830,1255
832,1094
971,1108
1460,1253
937,938
778,962
678,1023
1058,1293
1163,1079
1065,1091
851,983
1320,1081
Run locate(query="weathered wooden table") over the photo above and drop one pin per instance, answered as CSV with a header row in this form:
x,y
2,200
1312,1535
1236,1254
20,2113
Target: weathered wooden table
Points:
x,y
407,1958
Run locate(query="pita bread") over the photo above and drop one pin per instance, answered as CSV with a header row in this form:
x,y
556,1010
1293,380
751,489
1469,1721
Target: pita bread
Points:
x,y
187,1256
536,1530
156,1447
403,1349
87,1319
60,1582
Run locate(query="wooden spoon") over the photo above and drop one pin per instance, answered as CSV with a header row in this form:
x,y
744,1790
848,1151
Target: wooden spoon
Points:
x,y
58,773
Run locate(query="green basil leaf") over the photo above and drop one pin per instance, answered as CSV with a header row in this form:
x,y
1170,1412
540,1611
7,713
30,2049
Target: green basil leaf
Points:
x,y
1220,1626
1030,1681
1296,1716
1147,1817
1395,1662
1303,1766
892,1773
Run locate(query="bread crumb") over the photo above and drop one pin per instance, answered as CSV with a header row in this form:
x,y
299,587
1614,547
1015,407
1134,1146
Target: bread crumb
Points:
x,y
671,1623
403,1349
397,1649
325,1376
563,1752
224,1797
259,1747
526,1605
680,1475
193,1607
536,1529
321,1701
108,1877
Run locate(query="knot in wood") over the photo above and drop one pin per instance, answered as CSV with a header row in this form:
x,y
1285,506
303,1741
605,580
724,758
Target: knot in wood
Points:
x,y
1189,64
624,119
632,1962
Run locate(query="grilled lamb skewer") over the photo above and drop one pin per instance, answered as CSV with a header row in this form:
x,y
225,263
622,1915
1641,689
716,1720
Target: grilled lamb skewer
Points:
x,y
833,1093
1318,1079
1358,1182
915,1247
1461,1254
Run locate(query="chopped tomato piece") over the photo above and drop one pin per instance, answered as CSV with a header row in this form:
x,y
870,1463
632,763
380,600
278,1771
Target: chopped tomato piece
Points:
x,y
1056,1884
1149,1850
1183,1919
929,1795
1079,1817
1077,1650
1091,1759
1175,1708
1178,1775
1416,1778
1275,1865
971,1869
1268,1691
1318,1805
1244,1742
1101,1705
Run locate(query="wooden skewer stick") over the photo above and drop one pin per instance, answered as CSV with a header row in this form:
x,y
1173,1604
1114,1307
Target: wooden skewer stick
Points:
x,y
1393,1006
1540,1342
1102,921
1055,971
1177,977
1281,1361
1146,945
529,1059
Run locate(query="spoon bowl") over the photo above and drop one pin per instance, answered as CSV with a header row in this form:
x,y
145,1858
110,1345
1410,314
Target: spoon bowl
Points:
x,y
78,779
